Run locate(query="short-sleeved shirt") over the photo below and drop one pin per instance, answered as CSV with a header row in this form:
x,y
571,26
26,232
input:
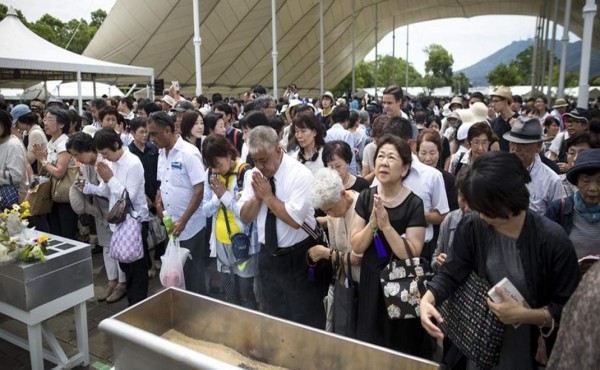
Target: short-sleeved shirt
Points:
x,y
178,174
293,182
338,132
407,214
545,186
428,184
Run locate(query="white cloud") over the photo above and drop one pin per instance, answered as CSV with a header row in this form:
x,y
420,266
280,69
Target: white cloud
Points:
x,y
467,39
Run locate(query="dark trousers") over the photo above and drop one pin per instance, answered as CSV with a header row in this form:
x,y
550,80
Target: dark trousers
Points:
x,y
136,273
286,289
195,269
63,220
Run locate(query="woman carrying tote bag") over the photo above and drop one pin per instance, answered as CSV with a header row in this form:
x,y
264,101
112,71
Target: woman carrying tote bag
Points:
x,y
506,241
122,172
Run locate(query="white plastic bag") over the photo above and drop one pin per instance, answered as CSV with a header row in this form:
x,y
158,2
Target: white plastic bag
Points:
x,y
171,271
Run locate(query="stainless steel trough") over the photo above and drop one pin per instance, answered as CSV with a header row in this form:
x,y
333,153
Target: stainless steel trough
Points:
x,y
27,285
137,343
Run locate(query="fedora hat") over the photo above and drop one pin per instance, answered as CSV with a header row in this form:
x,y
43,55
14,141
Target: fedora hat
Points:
x,y
588,159
503,92
525,131
560,103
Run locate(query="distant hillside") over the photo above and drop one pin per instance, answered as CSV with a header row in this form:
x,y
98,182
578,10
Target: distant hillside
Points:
x,y
477,73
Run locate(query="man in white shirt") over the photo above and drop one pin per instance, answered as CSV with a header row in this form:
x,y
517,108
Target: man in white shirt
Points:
x,y
182,176
276,195
338,131
525,138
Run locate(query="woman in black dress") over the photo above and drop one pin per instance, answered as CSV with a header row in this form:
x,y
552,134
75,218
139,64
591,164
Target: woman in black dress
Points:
x,y
337,155
390,212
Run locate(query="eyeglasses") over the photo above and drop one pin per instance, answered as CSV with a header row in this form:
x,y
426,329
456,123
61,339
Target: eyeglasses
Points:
x,y
483,143
494,101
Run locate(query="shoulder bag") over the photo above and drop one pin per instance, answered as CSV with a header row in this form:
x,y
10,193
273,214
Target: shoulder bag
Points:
x,y
9,195
119,211
468,322
345,304
60,188
240,242
126,243
404,282
40,197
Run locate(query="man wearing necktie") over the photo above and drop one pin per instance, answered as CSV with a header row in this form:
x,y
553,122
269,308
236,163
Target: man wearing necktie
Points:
x,y
277,197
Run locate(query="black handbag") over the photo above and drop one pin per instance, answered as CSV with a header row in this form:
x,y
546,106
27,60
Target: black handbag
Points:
x,y
240,242
345,303
404,282
119,211
468,321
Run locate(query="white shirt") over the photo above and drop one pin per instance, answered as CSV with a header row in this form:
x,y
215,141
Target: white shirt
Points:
x,y
428,184
178,174
545,186
128,173
465,160
338,132
293,182
313,166
558,142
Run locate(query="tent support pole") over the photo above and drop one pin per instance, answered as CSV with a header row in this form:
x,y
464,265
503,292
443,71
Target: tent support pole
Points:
x,y
376,38
79,97
151,92
552,50
197,44
321,57
589,12
353,47
274,42
94,85
563,50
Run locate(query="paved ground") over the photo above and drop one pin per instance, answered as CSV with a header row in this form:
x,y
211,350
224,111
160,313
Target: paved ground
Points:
x,y
62,325
15,358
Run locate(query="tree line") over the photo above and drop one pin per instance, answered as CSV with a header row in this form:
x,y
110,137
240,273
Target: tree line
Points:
x,y
390,70
74,35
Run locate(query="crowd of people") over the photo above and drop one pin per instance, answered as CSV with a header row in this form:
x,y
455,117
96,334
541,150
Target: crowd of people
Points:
x,y
312,182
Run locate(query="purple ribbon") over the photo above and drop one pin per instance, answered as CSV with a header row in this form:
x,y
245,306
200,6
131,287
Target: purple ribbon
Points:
x,y
379,245
311,273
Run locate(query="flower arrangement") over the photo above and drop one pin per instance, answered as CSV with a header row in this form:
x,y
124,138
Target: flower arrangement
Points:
x,y
14,241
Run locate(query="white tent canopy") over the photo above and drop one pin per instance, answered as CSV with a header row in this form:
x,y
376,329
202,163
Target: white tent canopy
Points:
x,y
25,57
68,90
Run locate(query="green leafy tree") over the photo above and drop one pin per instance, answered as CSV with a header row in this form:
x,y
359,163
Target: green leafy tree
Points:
x,y
365,75
74,35
438,66
460,84
506,74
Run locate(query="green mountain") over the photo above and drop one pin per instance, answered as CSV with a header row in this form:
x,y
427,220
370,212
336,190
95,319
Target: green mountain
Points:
x,y
477,73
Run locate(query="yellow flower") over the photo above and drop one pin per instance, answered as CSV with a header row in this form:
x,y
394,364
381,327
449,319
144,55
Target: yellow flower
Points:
x,y
25,214
25,204
43,238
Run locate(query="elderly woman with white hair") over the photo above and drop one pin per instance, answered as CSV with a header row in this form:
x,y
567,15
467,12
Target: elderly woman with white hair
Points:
x,y
328,194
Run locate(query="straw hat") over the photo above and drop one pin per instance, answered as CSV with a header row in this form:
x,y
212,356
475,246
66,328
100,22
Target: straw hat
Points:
x,y
503,92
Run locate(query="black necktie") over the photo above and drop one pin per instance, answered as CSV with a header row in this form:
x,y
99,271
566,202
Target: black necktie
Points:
x,y
271,225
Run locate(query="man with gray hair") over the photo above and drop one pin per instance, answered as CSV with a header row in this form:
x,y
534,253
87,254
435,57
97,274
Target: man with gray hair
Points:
x,y
266,104
276,196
